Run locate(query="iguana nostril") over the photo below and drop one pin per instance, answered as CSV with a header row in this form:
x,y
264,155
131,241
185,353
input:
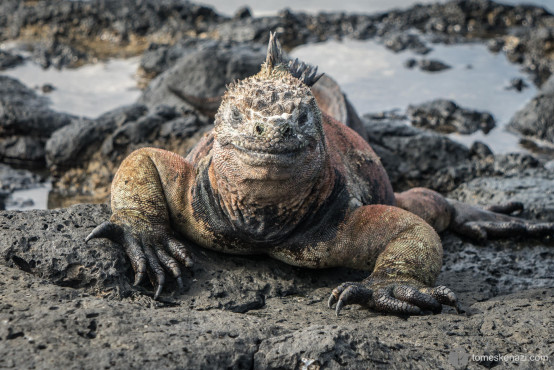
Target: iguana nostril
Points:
x,y
259,128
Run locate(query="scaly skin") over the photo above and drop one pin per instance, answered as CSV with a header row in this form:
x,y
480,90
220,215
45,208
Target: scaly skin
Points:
x,y
277,176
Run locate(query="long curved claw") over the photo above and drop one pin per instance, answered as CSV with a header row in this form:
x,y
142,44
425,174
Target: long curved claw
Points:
x,y
444,296
137,258
157,270
398,299
106,230
149,253
349,293
332,300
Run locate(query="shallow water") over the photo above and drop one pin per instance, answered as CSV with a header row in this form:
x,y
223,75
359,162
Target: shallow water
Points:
x,y
375,80
87,91
35,198
263,8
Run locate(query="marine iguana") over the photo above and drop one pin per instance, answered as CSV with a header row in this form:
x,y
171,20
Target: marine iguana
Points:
x,y
278,176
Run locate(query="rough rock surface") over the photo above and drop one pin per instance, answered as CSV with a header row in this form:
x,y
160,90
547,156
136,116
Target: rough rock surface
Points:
x,y
446,116
9,60
84,156
536,120
526,185
416,157
12,179
411,156
127,27
248,312
202,73
105,28
432,65
26,122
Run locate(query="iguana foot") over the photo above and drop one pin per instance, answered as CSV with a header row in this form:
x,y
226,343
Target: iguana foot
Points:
x,y
150,252
395,298
495,222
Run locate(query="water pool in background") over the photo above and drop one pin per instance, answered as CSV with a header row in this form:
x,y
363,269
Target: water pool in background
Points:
x,y
86,91
376,80
264,8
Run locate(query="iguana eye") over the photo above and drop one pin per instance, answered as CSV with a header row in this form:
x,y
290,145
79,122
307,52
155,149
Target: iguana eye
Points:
x,y
236,117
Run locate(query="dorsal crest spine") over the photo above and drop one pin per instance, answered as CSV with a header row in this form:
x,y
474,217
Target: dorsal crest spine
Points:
x,y
306,73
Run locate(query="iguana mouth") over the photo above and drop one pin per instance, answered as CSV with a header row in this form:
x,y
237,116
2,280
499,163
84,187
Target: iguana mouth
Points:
x,y
280,154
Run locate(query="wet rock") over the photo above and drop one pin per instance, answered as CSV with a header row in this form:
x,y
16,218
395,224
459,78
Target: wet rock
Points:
x,y
236,311
469,18
53,53
538,182
535,119
71,144
242,13
9,60
400,41
446,116
26,122
84,156
495,45
160,57
480,150
531,47
410,63
47,88
548,86
524,32
105,29
12,179
517,84
432,65
3,196
50,244
411,156
199,78
22,111
22,149
415,157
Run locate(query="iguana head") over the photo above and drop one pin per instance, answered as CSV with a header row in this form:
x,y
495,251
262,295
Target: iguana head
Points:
x,y
271,120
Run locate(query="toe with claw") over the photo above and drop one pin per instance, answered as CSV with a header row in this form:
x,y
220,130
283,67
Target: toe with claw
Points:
x,y
152,252
496,222
394,298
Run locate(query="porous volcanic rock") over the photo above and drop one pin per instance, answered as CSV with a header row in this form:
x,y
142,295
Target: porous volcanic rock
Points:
x,y
84,156
446,116
26,122
249,312
536,118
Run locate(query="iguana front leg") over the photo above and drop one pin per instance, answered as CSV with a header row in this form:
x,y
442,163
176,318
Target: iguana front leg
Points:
x,y
404,254
471,221
150,186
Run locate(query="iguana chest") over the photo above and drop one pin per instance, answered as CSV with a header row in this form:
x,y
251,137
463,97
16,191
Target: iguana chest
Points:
x,y
250,230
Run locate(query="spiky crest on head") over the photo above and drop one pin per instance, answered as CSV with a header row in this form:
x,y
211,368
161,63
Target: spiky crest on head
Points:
x,y
276,65
281,87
